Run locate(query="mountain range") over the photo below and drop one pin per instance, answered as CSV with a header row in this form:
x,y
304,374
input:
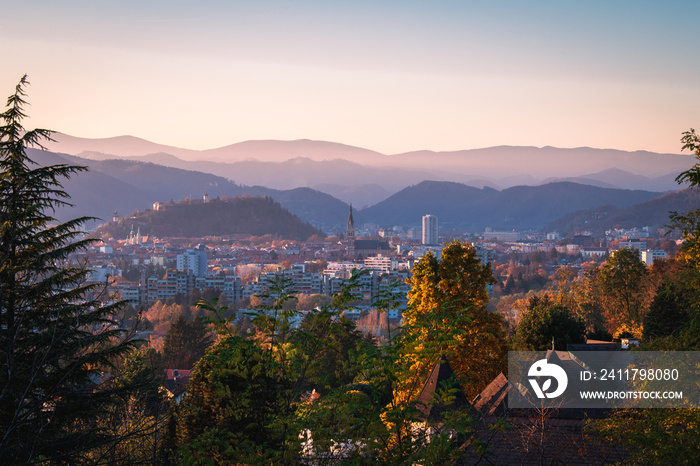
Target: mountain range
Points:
x,y
318,189
462,207
366,177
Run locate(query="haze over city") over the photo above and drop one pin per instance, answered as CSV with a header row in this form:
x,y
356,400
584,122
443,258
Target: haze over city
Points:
x,y
387,76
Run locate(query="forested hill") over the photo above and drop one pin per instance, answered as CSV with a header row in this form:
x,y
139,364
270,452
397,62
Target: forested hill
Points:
x,y
219,217
654,212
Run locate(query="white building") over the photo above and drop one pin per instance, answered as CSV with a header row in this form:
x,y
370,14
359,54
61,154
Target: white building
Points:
x,y
381,263
594,252
637,245
421,251
650,255
193,261
430,229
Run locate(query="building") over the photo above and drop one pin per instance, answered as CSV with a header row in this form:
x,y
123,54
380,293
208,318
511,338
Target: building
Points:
x,y
350,233
485,255
594,252
371,247
634,244
430,230
381,263
194,262
651,255
173,283
507,236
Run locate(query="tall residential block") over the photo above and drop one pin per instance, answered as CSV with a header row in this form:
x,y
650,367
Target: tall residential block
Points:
x,y
430,229
194,262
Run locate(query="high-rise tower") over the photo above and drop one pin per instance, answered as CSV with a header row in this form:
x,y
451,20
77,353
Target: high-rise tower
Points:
x,y
430,230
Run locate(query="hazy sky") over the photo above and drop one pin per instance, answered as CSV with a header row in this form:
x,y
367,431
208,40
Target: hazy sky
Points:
x,y
392,76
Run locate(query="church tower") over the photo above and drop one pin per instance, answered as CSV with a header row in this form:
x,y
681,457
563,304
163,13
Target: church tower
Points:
x,y
351,235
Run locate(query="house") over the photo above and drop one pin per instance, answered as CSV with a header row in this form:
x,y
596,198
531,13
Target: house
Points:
x,y
176,381
522,436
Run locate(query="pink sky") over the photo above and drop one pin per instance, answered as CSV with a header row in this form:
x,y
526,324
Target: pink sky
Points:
x,y
387,76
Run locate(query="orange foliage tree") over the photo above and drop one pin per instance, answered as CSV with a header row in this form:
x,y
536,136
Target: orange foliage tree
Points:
x,y
447,315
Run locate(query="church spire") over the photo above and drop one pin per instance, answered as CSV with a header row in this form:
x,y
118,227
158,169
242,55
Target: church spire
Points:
x,y
351,234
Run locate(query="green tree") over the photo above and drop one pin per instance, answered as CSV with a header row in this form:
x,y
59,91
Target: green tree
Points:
x,y
447,315
232,411
668,313
546,321
138,415
185,343
57,340
622,283
669,436
688,224
333,348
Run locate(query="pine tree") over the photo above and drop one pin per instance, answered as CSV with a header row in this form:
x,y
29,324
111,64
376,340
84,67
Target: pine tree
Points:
x,y
57,340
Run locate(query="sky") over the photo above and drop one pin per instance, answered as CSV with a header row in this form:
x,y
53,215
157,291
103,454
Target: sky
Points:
x,y
391,76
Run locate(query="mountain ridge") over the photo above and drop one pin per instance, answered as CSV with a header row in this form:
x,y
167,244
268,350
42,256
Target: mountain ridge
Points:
x,y
267,162
127,186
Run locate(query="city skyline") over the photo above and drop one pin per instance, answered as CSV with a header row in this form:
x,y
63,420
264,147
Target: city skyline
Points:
x,y
388,76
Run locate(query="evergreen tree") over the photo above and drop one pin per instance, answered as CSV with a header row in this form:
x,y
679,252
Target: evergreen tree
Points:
x,y
57,340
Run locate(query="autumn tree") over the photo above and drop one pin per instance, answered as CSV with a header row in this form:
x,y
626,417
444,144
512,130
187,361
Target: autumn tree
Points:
x,y
622,282
58,342
447,315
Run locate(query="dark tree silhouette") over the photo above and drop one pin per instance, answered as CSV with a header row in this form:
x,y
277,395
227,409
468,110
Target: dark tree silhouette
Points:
x,y
57,340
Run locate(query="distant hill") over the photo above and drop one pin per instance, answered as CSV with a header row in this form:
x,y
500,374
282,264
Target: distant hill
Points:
x,y
124,146
653,213
319,209
305,163
521,207
360,196
127,186
616,178
546,162
263,150
219,217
